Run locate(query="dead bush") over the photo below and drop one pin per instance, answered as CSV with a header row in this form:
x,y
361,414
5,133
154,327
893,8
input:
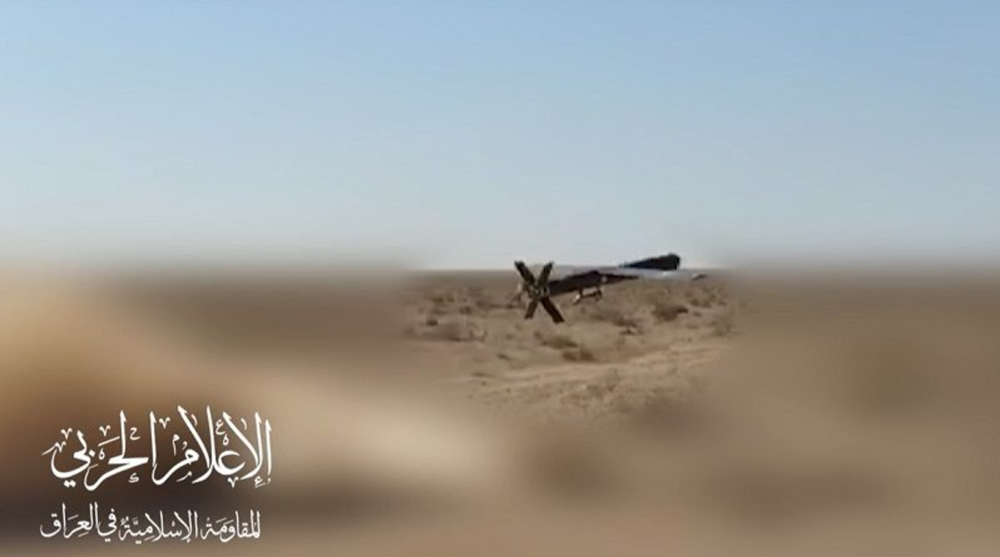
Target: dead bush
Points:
x,y
666,312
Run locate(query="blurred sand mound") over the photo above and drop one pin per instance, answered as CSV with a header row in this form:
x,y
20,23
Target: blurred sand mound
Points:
x,y
790,413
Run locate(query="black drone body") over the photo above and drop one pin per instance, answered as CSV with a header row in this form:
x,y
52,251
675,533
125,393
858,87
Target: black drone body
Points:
x,y
588,281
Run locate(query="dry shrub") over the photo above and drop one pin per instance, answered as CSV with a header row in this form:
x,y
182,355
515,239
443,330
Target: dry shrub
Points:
x,y
578,354
665,312
703,297
452,331
482,300
556,341
613,315
440,298
631,330
699,302
604,313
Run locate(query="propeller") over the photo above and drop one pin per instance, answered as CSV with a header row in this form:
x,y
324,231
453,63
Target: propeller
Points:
x,y
538,291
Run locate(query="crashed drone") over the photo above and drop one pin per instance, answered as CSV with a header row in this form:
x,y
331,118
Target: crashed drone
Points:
x,y
588,281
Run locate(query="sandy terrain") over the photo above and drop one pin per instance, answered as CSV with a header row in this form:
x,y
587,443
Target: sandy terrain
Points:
x,y
426,416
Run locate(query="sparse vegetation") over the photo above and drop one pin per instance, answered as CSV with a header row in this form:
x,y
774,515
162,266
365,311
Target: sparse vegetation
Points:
x,y
578,354
699,301
667,311
453,331
556,341
613,315
482,300
604,313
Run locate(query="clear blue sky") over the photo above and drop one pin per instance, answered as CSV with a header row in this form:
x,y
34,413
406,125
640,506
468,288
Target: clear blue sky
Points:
x,y
469,133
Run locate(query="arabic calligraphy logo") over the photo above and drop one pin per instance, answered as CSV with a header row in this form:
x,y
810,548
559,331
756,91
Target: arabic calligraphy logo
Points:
x,y
174,451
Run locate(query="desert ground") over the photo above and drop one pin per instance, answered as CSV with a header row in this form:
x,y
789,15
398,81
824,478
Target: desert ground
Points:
x,y
422,415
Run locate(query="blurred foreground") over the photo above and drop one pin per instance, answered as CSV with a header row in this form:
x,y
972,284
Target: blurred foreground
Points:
x,y
421,415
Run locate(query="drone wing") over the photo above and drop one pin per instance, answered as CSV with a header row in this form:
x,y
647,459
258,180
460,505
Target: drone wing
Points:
x,y
649,274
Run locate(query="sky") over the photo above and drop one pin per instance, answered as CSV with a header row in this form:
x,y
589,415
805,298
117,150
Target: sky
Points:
x,y
469,133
